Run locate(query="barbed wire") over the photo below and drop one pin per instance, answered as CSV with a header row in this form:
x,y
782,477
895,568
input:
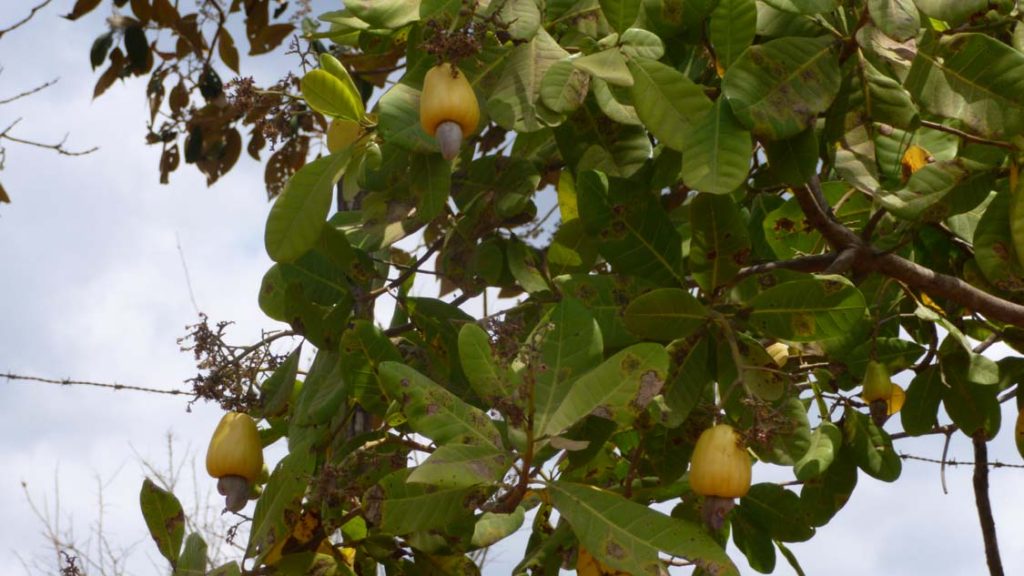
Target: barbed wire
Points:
x,y
957,462
111,386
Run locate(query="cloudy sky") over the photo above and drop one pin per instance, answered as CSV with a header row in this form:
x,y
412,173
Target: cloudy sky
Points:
x,y
92,287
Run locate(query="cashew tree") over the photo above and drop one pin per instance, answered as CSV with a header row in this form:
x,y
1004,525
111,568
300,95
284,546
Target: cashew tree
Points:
x,y
652,218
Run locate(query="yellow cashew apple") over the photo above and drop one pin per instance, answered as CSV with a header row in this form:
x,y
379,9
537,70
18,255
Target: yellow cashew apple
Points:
x,y
719,471
235,458
448,108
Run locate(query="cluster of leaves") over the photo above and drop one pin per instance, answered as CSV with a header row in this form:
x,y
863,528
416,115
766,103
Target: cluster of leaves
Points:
x,y
839,177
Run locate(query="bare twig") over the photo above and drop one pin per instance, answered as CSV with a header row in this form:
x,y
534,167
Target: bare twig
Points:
x,y
25,20
30,92
965,135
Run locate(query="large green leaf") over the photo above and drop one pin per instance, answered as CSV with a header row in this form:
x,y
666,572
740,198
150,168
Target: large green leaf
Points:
x,y
405,507
619,389
731,29
825,443
953,13
872,447
514,102
328,95
399,113
789,236
690,378
897,19
564,87
193,558
753,541
435,412
634,232
493,527
970,397
808,310
164,518
666,100
802,6
994,249
608,65
296,220
778,88
621,14
281,499
823,496
277,390
322,392
928,192
720,245
385,13
777,511
921,407
606,297
569,344
430,179
947,80
627,536
462,466
716,151
363,347
491,382
665,314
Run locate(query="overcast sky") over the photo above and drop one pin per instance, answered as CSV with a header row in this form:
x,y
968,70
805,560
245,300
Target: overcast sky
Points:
x,y
92,287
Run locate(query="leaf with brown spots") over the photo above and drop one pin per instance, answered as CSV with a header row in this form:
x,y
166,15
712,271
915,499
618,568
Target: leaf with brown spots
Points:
x,y
627,536
462,466
164,518
619,389
435,412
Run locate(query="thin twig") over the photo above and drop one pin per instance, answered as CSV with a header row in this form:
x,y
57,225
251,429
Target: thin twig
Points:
x,y
70,382
25,20
966,136
30,92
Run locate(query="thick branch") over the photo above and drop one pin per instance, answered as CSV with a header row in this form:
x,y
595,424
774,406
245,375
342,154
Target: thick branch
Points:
x,y
914,275
988,524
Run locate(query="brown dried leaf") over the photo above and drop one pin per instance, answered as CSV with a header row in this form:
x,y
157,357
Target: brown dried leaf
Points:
x,y
111,74
227,51
82,7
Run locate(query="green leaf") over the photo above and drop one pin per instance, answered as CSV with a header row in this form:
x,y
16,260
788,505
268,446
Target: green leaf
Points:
x,y
921,407
897,19
277,390
690,378
524,264
296,220
564,87
620,14
608,65
606,297
634,233
491,382
328,95
513,103
802,6
666,100
322,392
953,13
164,518
521,16
193,557
571,249
435,412
407,507
778,88
793,160
281,500
716,151
493,527
790,442
825,443
720,244
430,180
811,309
928,193
886,101
399,113
788,236
872,447
363,347
462,466
570,345
619,389
391,14
753,541
665,314
823,496
229,569
640,43
972,405
627,536
994,248
731,29
777,511
947,80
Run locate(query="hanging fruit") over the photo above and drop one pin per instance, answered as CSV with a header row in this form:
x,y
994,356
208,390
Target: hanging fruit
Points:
x,y
719,471
878,389
895,402
235,458
779,353
448,108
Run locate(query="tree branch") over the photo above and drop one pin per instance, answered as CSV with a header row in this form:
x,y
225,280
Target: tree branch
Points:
x,y
30,92
988,524
25,20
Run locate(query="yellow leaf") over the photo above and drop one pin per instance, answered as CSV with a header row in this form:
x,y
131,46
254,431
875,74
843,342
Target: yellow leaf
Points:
x,y
914,159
